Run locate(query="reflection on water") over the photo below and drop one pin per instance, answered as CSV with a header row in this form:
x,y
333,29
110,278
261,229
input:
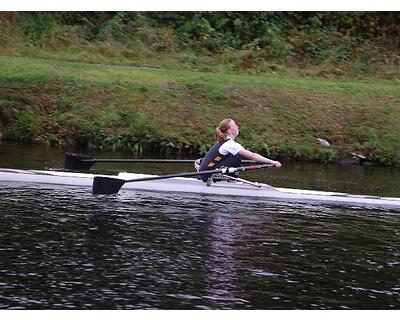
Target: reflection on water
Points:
x,y
67,249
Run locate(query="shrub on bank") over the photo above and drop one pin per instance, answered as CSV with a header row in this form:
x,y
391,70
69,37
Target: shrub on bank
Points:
x,y
331,44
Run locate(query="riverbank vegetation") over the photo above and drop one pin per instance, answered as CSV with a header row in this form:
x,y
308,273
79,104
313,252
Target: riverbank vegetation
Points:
x,y
162,81
326,44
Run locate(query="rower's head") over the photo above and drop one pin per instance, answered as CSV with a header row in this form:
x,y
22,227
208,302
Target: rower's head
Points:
x,y
227,128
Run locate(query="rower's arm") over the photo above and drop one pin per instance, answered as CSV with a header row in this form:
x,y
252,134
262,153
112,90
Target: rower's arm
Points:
x,y
257,157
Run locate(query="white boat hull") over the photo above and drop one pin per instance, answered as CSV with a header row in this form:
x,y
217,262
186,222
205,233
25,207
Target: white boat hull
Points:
x,y
195,186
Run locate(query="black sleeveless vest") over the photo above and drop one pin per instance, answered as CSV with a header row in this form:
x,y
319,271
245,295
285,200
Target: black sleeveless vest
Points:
x,y
213,158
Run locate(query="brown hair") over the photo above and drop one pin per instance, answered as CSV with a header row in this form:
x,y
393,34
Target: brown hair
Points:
x,y
221,132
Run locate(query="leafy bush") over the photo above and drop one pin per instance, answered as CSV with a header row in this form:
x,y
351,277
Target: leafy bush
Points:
x,y
328,154
113,28
7,110
24,125
38,25
123,142
351,41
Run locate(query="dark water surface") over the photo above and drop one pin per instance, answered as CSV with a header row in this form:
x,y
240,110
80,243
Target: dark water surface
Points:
x,y
67,249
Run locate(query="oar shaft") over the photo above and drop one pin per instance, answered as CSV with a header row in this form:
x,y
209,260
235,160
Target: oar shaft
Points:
x,y
110,185
150,160
200,173
139,160
74,161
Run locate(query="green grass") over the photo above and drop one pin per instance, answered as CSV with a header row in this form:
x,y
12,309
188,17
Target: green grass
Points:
x,y
135,108
29,69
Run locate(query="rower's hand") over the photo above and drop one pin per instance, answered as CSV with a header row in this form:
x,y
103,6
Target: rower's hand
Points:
x,y
277,164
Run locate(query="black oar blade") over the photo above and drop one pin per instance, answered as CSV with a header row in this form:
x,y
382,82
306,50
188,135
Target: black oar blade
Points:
x,y
74,161
107,185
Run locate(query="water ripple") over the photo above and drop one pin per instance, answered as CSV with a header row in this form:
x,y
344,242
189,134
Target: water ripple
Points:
x,y
66,249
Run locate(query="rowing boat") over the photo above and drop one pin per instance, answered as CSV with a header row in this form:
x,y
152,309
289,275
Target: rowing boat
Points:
x,y
241,188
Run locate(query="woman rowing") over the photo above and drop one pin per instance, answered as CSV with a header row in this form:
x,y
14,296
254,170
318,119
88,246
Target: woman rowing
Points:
x,y
227,152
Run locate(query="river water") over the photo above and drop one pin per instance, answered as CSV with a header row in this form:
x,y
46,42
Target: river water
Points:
x,y
63,248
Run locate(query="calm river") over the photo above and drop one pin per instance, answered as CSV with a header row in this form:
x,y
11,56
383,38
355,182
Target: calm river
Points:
x,y
67,249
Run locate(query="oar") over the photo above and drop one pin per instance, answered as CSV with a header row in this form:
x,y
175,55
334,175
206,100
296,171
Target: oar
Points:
x,y
109,185
74,161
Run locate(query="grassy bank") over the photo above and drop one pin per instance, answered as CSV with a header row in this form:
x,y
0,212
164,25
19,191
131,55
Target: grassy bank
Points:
x,y
137,109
